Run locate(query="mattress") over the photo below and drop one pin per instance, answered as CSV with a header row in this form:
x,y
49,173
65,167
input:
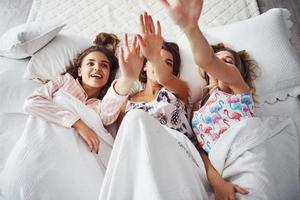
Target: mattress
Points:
x,y
88,17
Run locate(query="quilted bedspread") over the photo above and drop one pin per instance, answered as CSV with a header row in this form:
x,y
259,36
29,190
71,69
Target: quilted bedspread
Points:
x,y
88,17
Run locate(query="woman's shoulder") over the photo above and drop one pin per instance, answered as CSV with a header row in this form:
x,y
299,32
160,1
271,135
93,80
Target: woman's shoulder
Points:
x,y
165,91
63,78
65,81
138,97
67,76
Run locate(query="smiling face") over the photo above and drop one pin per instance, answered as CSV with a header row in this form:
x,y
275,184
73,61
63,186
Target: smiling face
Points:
x,y
94,70
168,59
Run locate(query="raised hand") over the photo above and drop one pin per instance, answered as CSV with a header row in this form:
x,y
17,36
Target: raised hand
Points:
x,y
131,62
150,39
184,13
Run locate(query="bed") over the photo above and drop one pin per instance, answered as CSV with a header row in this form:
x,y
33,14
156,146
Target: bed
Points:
x,y
278,86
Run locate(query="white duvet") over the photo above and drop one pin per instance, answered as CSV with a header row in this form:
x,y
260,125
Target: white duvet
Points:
x,y
52,162
148,161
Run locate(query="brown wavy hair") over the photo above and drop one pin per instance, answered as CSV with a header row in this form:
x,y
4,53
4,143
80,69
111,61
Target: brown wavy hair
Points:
x,y
247,67
105,43
174,50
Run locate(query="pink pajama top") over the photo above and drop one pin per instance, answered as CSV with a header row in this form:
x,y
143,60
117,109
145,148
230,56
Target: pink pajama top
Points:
x,y
218,114
40,103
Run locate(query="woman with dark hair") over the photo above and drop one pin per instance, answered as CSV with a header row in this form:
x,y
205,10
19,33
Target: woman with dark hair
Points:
x,y
53,159
153,143
88,78
164,96
152,157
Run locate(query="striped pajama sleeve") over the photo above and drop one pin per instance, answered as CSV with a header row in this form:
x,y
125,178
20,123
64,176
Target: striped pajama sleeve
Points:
x,y
40,104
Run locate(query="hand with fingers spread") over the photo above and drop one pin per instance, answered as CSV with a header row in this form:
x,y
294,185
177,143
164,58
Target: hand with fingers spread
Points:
x,y
131,62
88,135
151,40
226,191
184,13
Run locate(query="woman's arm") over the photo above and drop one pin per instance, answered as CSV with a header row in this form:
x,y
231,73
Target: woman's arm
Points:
x,y
131,63
111,104
88,135
40,103
170,81
151,43
222,189
205,58
186,15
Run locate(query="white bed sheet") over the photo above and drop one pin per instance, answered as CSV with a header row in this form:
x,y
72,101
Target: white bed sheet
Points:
x,y
283,163
13,88
13,12
282,149
287,108
10,123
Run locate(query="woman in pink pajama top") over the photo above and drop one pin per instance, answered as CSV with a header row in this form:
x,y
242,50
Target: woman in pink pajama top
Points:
x,y
87,79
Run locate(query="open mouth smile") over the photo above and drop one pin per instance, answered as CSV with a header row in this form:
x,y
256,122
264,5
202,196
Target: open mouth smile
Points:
x,y
98,76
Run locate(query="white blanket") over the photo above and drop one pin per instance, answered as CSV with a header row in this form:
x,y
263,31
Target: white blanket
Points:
x,y
150,161
52,162
241,156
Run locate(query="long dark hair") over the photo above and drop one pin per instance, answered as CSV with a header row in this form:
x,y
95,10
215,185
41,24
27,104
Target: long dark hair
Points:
x,y
105,43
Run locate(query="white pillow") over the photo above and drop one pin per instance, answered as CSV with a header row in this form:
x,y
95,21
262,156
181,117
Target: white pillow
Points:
x,y
24,40
266,39
189,71
50,61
